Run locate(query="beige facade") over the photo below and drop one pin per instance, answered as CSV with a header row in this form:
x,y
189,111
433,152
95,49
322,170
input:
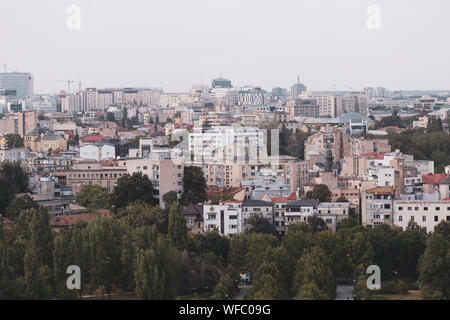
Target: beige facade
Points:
x,y
165,175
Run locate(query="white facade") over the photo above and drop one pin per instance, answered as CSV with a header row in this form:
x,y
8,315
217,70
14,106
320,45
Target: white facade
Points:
x,y
225,218
98,153
21,82
425,213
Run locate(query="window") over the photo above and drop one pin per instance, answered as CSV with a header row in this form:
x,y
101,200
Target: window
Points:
x,y
438,208
412,218
424,218
400,218
425,208
400,208
436,218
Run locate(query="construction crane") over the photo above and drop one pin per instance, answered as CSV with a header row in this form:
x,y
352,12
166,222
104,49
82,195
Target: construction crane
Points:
x,y
68,84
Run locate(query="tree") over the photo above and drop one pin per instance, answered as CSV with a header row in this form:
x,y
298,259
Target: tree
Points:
x,y
18,205
36,278
342,199
132,188
13,140
320,192
141,214
310,291
347,223
93,197
434,267
13,176
170,198
177,227
225,289
156,272
317,224
443,228
41,235
314,267
194,185
238,251
258,224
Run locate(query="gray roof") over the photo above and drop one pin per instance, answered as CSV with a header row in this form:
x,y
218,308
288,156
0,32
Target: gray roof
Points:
x,y
303,203
256,203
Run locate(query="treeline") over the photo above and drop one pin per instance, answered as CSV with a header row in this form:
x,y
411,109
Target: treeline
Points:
x,y
423,146
149,251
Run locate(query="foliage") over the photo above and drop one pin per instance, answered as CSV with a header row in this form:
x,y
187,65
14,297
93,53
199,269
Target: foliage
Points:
x,y
18,205
194,186
320,192
13,140
132,188
258,224
93,197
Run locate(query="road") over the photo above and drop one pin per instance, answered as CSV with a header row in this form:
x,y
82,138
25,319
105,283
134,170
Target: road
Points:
x,y
240,295
344,292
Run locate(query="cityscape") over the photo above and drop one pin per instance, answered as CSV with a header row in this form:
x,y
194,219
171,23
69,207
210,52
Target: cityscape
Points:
x,y
223,191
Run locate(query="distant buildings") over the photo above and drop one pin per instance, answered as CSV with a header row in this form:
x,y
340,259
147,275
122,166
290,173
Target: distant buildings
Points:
x,y
21,83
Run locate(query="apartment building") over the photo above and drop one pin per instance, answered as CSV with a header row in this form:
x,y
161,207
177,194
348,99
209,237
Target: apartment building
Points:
x,y
165,174
225,218
377,206
85,173
300,211
333,212
425,213
251,208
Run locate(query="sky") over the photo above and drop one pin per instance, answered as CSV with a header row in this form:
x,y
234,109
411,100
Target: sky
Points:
x,y
174,44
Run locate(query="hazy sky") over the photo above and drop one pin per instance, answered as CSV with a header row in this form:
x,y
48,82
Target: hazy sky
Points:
x,y
175,44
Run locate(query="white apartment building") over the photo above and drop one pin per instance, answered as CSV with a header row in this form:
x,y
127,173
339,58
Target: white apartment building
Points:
x,y
98,152
425,213
225,218
21,82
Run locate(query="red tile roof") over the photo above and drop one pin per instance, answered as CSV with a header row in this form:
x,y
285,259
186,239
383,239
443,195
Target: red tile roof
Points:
x,y
434,178
374,155
291,197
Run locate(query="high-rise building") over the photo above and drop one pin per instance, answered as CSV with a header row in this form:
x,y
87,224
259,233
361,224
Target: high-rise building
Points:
x,y
22,83
297,89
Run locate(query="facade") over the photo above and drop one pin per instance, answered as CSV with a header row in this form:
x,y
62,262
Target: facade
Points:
x,y
165,175
225,218
333,212
300,211
21,82
98,152
425,213
251,208
377,206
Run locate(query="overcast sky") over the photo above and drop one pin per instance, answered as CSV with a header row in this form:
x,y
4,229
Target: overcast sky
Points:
x,y
175,44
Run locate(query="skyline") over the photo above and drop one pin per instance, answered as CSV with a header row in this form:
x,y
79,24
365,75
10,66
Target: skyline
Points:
x,y
176,45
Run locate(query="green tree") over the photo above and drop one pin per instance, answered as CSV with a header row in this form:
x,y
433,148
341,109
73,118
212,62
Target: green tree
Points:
x,y
310,291
41,235
36,277
170,198
18,205
194,185
443,228
156,272
12,175
141,214
320,192
314,267
13,140
317,224
434,267
177,227
258,224
93,197
132,188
